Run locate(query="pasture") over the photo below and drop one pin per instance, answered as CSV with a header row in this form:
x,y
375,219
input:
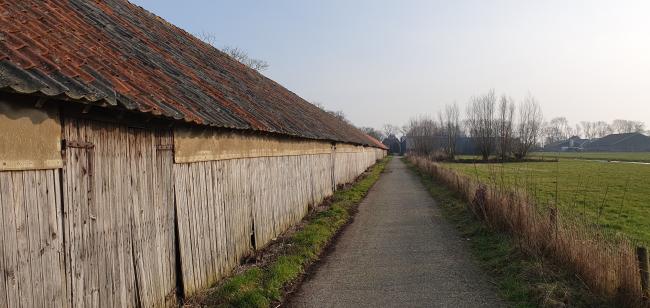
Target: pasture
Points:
x,y
612,156
614,196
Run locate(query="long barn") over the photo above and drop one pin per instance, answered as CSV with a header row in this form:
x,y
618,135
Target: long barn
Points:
x,y
139,164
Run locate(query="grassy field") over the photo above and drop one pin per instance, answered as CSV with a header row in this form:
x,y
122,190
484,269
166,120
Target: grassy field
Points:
x,y
522,280
615,156
615,196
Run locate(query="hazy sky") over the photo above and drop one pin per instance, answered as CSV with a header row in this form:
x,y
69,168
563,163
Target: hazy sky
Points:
x,y
386,61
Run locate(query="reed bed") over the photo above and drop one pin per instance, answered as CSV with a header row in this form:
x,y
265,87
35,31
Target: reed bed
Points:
x,y
606,264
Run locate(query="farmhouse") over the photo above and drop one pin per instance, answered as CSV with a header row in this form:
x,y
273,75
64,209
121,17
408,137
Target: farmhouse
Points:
x,y
139,164
572,144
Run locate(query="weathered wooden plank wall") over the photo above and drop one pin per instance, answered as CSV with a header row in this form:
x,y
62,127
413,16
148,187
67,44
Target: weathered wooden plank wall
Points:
x,y
350,161
119,223
32,271
102,230
235,206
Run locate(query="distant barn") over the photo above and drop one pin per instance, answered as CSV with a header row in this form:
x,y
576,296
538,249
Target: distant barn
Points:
x,y
627,142
631,142
138,163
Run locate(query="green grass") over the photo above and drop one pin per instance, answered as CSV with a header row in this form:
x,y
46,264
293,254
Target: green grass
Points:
x,y
521,280
616,156
614,196
258,287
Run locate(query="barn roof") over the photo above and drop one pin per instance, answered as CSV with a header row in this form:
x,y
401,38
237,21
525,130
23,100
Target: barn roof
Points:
x,y
114,53
376,142
616,139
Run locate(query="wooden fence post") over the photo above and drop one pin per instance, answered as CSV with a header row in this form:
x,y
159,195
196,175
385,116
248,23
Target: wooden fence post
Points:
x,y
642,255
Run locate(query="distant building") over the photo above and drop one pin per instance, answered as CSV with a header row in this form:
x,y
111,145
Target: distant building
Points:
x,y
631,142
402,143
393,144
573,144
628,142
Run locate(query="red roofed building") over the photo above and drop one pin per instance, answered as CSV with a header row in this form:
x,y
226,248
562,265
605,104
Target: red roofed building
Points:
x,y
128,145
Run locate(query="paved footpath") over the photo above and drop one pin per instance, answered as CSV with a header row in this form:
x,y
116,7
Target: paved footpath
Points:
x,y
398,252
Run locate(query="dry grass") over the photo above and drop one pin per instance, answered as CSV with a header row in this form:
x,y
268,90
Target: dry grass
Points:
x,y
607,265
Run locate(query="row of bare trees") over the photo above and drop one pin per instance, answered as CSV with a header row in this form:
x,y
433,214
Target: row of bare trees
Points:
x,y
559,129
234,52
495,125
497,128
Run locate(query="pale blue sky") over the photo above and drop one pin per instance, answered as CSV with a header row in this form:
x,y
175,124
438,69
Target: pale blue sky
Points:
x,y
386,61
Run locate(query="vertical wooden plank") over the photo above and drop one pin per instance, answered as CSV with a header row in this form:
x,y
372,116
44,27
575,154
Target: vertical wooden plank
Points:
x,y
56,231
194,225
220,217
22,242
105,161
135,217
88,220
67,216
193,222
10,240
44,252
204,245
30,206
211,226
152,261
164,197
97,135
121,219
3,269
137,232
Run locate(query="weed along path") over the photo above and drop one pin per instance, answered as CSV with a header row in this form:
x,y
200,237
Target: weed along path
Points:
x,y
398,252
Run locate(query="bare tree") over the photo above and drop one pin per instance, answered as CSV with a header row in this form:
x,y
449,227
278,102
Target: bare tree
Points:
x,y
236,53
337,114
375,133
504,134
480,121
420,135
557,129
390,129
577,131
601,129
620,126
528,127
243,57
589,129
207,37
450,121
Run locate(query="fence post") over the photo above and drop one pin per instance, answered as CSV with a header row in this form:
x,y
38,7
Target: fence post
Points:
x,y
642,256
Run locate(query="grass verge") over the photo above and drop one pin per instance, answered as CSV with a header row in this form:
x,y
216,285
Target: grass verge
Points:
x,y
521,280
261,286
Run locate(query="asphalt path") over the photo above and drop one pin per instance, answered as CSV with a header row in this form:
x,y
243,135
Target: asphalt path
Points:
x,y
398,252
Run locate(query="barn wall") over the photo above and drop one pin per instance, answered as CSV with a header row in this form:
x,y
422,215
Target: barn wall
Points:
x,y
32,271
102,229
352,160
118,216
228,208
